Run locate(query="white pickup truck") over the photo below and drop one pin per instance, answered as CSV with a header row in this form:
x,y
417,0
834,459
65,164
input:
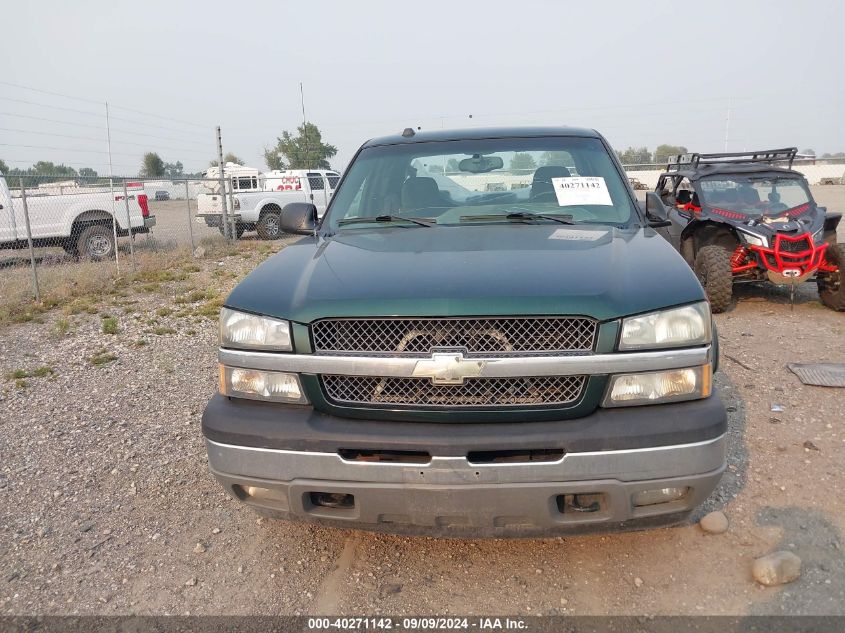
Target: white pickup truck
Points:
x,y
79,222
255,201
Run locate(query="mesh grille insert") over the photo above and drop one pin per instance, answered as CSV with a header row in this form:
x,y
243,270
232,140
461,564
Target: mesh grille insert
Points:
x,y
475,392
476,336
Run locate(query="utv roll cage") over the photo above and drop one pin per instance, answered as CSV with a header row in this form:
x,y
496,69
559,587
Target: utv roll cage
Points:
x,y
680,162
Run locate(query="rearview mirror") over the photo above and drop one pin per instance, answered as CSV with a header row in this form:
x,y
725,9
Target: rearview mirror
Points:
x,y
479,164
299,218
655,212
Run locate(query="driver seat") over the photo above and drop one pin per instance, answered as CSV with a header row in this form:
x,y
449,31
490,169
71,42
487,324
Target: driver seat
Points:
x,y
542,189
420,193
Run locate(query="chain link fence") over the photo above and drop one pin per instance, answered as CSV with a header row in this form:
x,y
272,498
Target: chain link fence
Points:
x,y
69,235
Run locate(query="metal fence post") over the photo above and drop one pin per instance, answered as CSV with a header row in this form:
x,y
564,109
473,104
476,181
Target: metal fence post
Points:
x,y
128,224
190,224
226,233
35,287
233,230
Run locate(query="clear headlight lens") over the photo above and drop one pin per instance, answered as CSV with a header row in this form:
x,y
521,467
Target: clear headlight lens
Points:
x,y
677,327
657,387
818,237
754,240
274,386
240,330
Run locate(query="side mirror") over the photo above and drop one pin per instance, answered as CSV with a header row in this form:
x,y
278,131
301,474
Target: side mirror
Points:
x,y
299,218
655,212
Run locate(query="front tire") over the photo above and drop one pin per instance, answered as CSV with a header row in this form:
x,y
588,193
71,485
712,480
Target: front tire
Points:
x,y
713,269
269,227
95,242
831,286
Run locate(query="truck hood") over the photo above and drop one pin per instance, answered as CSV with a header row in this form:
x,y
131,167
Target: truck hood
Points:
x,y
473,270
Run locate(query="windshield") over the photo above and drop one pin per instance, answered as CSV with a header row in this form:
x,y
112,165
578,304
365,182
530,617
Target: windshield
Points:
x,y
755,195
569,179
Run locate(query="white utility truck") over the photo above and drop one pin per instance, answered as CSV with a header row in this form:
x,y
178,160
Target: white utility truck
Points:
x,y
79,220
255,201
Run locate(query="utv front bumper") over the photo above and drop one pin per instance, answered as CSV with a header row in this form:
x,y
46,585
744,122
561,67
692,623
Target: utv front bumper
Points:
x,y
296,463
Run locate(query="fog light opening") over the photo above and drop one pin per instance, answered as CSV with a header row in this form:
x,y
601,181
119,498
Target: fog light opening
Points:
x,y
332,500
256,493
584,502
658,496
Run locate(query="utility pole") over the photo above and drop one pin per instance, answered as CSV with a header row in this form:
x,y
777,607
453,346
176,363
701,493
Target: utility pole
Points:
x,y
727,127
111,189
227,233
304,123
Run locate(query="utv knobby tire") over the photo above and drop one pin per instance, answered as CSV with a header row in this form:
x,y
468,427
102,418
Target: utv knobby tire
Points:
x,y
713,269
96,242
269,227
832,285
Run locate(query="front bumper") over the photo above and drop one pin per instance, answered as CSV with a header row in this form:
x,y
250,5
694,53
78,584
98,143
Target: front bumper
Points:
x,y
275,457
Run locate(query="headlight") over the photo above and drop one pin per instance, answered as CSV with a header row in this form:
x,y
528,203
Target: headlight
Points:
x,y
818,236
754,240
677,327
675,385
240,330
275,386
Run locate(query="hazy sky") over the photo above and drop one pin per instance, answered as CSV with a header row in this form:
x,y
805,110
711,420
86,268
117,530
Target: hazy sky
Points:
x,y
642,73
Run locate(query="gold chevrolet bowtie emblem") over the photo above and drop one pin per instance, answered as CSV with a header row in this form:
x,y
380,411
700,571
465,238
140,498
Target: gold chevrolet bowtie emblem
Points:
x,y
448,369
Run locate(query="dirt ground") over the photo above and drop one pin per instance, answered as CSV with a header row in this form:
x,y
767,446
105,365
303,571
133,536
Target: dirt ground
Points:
x,y
107,506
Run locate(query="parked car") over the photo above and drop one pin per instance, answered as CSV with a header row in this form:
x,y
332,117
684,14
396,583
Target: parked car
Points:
x,y
162,195
254,206
458,362
80,222
742,217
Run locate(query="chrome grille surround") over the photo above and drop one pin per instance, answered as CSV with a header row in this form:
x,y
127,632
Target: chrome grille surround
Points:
x,y
474,392
475,336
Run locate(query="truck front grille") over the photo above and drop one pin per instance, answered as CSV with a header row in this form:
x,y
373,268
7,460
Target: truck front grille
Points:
x,y
474,392
415,337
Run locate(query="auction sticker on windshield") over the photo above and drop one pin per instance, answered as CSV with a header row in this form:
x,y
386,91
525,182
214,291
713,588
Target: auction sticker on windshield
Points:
x,y
581,190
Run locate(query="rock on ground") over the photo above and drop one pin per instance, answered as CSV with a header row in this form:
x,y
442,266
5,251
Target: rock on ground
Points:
x,y
777,568
714,523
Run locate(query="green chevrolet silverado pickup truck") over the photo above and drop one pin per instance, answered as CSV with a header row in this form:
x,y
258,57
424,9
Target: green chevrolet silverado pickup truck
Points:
x,y
483,336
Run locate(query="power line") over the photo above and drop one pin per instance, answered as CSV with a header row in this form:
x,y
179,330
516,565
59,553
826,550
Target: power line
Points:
x,y
64,149
100,127
96,114
54,107
66,96
102,140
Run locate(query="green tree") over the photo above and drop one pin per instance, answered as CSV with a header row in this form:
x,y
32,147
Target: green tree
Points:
x,y
559,159
152,166
663,152
87,173
272,159
4,168
228,157
173,171
833,155
635,156
808,151
522,162
306,150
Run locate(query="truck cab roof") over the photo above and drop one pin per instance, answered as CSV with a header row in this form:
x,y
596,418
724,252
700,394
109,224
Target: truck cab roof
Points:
x,y
423,136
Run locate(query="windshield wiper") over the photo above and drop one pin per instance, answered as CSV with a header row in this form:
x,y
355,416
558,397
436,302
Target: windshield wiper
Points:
x,y
521,215
383,218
